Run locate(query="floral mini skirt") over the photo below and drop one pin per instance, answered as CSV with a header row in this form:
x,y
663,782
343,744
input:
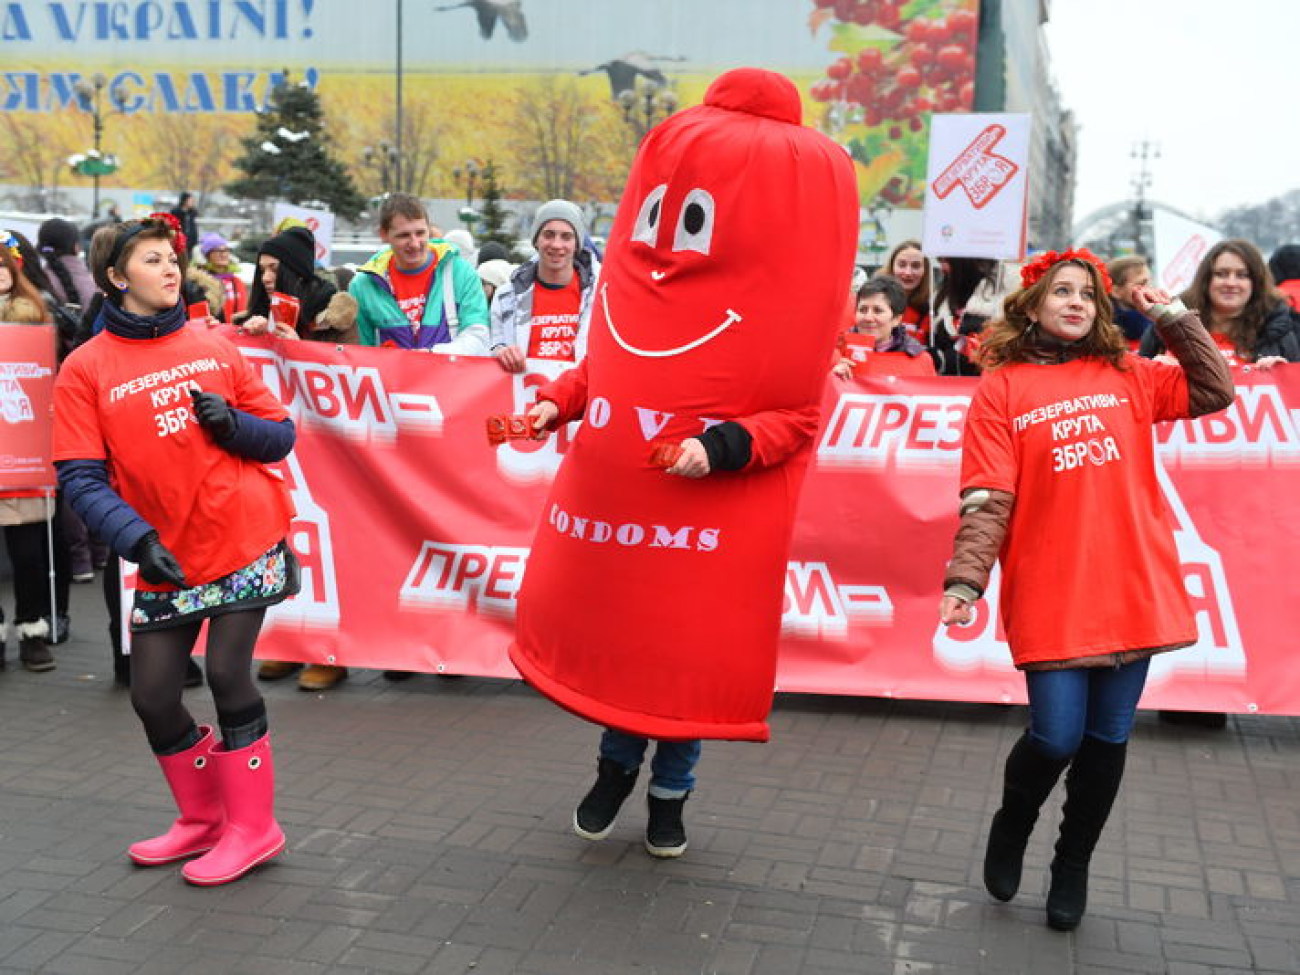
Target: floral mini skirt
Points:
x,y
270,578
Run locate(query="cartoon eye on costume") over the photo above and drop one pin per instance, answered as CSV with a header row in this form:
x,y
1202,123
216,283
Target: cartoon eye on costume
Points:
x,y
695,225
647,220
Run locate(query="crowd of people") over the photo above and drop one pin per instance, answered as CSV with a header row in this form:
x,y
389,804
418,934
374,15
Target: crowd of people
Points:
x,y
143,303
1250,308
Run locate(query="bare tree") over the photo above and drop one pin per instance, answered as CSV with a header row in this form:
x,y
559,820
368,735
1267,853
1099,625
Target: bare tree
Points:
x,y
553,119
36,157
422,135
180,151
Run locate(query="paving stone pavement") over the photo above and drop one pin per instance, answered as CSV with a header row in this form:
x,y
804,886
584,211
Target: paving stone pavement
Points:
x,y
429,831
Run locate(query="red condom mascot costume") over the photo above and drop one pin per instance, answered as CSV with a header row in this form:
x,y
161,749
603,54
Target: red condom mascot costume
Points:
x,y
652,602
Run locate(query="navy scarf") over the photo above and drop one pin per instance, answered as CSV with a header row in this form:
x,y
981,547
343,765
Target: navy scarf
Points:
x,y
122,323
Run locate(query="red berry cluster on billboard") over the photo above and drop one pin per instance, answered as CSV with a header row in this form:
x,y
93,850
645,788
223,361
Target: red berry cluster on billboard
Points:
x,y
899,60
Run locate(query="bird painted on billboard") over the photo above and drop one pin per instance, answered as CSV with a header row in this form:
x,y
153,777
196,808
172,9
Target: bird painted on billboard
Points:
x,y
623,72
509,12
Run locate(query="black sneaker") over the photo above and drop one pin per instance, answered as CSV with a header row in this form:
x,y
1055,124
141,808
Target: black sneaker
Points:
x,y
665,836
594,817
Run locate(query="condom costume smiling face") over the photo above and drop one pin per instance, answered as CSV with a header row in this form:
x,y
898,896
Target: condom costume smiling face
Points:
x,y
652,602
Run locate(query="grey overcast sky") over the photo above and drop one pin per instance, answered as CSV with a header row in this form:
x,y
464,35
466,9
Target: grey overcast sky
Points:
x,y
1213,84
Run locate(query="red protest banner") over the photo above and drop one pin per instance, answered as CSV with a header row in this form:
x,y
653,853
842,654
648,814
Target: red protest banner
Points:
x,y
27,363
414,532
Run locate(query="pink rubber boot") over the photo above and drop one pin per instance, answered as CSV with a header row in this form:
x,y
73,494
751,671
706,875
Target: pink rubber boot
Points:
x,y
252,836
193,782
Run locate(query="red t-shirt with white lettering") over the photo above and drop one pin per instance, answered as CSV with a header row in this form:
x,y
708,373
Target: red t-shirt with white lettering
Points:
x,y
1227,349
411,289
126,402
1089,565
553,331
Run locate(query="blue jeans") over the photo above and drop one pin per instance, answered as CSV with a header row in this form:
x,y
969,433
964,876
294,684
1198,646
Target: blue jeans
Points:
x,y
1065,705
672,770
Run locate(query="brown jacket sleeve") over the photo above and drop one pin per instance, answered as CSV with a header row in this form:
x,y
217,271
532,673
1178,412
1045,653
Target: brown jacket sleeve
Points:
x,y
979,539
1209,383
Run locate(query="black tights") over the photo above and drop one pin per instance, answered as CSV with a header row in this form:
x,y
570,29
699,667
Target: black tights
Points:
x,y
158,660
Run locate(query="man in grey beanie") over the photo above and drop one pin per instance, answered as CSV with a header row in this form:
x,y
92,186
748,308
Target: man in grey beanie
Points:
x,y
543,311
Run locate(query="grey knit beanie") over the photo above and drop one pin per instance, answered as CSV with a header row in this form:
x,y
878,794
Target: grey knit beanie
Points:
x,y
559,210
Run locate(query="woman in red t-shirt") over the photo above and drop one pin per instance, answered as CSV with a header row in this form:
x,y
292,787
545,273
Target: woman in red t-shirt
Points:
x,y
161,436
878,342
1059,483
1244,312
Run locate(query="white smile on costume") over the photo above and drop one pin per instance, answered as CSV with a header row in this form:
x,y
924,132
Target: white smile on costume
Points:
x,y
732,318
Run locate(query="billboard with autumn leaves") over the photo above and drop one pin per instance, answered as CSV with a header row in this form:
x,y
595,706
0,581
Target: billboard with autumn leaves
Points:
x,y
556,93
891,64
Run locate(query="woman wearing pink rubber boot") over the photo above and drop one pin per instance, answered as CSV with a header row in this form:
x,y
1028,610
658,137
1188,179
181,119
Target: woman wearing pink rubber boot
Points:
x,y
162,434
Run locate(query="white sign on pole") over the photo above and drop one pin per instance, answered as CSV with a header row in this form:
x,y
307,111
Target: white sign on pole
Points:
x,y
977,186
319,222
1180,245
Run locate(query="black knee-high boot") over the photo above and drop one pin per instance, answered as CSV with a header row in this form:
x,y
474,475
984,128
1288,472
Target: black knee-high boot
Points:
x,y
1090,789
1027,782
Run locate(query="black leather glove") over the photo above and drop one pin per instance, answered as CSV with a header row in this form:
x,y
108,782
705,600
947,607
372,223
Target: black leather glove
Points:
x,y
213,414
157,564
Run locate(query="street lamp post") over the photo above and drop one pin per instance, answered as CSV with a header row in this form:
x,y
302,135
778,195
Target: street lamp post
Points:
x,y
384,159
94,164
646,105
397,160
1143,151
470,171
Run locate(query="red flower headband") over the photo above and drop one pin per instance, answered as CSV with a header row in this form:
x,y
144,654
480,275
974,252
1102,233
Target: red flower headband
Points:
x,y
179,243
1033,272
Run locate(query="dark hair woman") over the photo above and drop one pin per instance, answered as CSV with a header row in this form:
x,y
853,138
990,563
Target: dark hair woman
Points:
x,y
286,264
1245,314
889,349
187,428
969,295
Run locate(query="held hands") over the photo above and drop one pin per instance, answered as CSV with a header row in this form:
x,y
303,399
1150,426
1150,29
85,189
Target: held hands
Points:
x,y
1268,362
510,358
213,414
694,461
954,609
543,414
843,369
157,564
261,325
